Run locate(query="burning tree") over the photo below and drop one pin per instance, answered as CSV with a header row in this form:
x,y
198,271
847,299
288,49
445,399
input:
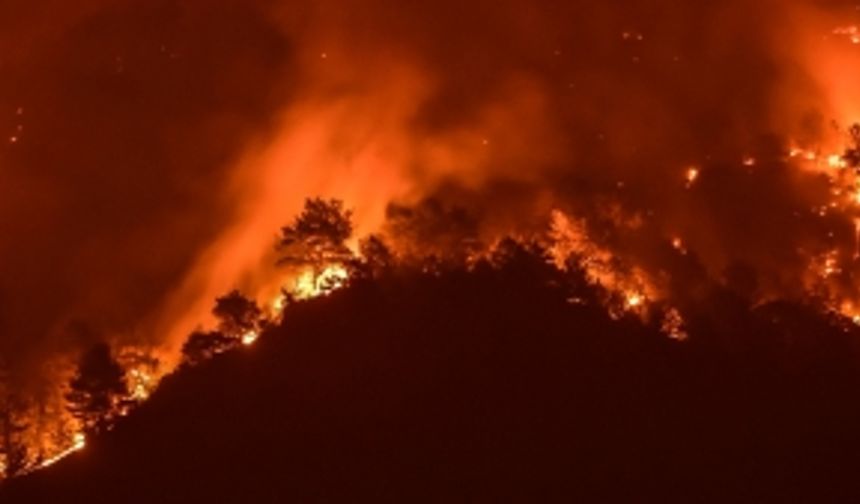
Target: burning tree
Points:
x,y
141,373
237,315
317,237
97,389
13,446
240,321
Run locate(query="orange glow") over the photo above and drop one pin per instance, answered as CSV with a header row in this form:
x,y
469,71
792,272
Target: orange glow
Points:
x,y
852,33
691,176
250,337
673,325
358,149
678,244
141,384
358,143
630,285
78,444
634,300
332,278
836,161
278,304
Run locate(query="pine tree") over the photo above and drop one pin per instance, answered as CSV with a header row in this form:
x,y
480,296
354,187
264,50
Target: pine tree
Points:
x,y
317,237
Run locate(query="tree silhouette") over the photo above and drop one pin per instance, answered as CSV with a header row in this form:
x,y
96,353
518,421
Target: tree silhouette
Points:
x,y
97,389
236,314
317,237
376,258
203,345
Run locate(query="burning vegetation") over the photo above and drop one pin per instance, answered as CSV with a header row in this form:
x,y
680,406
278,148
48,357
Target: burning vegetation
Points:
x,y
317,254
673,173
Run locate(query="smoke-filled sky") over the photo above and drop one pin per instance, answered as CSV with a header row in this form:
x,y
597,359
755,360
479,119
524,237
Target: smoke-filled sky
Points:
x,y
152,148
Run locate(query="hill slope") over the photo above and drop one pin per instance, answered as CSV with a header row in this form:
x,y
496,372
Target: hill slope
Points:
x,y
481,387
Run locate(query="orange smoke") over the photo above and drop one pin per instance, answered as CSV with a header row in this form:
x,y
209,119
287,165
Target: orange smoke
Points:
x,y
354,149
360,146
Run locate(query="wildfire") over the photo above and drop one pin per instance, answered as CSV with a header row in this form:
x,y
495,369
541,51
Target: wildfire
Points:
x,y
634,300
308,285
632,291
829,269
673,325
630,287
78,443
250,337
141,370
804,154
278,304
836,161
142,384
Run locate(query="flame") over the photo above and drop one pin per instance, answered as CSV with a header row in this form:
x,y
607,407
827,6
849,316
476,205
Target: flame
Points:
x,y
631,285
308,285
142,383
79,442
278,304
635,300
673,325
306,137
143,379
836,161
250,337
829,269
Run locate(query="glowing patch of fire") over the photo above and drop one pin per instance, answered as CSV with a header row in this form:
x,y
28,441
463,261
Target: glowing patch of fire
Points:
x,y
142,384
691,176
78,443
250,337
279,304
332,278
634,300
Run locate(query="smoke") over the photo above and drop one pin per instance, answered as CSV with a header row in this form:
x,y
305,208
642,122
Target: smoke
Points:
x,y
164,143
119,124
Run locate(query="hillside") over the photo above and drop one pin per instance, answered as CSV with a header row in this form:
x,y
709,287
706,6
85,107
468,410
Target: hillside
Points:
x,y
486,386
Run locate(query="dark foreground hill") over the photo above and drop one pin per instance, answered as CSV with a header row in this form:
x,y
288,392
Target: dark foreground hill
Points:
x,y
486,387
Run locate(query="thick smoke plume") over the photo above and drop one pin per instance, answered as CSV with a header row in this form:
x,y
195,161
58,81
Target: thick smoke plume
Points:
x,y
153,149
